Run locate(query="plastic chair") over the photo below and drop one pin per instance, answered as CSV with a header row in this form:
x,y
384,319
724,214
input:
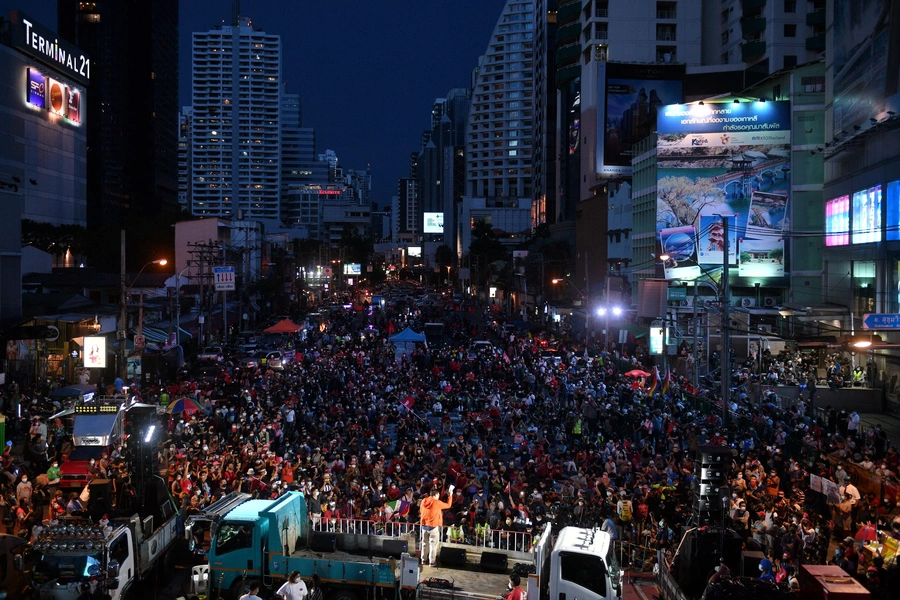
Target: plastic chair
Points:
x,y
200,580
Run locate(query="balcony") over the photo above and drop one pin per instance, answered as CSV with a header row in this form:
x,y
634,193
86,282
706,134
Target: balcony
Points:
x,y
568,33
567,54
816,17
568,13
816,43
567,74
752,5
751,26
751,50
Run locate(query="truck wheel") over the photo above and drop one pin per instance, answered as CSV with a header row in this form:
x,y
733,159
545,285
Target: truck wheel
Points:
x,y
342,594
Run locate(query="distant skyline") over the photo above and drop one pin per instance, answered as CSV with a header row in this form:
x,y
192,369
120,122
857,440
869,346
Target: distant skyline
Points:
x,y
366,72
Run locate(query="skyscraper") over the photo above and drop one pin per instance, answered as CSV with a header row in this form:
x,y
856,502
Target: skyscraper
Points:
x,y
132,116
498,140
236,141
543,204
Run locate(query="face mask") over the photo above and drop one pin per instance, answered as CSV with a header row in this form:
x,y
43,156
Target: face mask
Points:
x,y
24,480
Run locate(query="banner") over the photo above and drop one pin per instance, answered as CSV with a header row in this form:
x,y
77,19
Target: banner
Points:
x,y
95,352
680,246
726,160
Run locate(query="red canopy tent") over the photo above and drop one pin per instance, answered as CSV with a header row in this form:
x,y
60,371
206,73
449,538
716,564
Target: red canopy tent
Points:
x,y
284,326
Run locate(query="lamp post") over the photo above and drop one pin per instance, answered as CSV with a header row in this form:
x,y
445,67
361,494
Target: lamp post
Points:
x,y
178,304
123,316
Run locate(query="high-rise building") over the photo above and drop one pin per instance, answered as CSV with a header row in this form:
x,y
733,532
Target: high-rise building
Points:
x,y
132,118
236,143
498,139
543,137
763,36
184,158
407,214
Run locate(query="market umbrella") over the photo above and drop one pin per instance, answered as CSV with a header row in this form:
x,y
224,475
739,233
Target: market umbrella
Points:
x,y
867,533
637,373
184,405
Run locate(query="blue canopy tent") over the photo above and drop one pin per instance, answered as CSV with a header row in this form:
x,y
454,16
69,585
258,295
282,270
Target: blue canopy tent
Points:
x,y
405,342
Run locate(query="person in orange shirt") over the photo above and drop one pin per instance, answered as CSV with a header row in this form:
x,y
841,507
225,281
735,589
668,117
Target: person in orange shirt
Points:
x,y
431,509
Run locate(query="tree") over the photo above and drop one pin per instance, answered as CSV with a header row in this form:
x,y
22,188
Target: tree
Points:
x,y
443,256
777,254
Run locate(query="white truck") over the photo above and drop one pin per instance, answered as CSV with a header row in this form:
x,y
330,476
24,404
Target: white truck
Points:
x,y
119,554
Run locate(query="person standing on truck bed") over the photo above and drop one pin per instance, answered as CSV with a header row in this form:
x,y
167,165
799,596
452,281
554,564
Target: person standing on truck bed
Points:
x,y
432,510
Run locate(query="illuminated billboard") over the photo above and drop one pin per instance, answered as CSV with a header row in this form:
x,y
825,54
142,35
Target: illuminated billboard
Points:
x,y
679,244
892,227
53,95
628,100
95,352
837,221
414,251
352,269
866,69
434,222
36,88
725,160
867,215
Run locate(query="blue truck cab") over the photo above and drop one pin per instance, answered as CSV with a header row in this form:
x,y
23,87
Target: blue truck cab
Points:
x,y
265,540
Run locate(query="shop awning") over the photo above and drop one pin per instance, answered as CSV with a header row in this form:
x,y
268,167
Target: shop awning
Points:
x,y
638,331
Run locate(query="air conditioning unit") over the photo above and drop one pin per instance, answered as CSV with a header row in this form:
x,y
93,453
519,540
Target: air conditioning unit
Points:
x,y
764,328
748,302
770,301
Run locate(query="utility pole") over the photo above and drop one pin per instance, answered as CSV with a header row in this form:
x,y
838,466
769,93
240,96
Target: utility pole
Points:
x,y
587,305
695,371
726,327
121,337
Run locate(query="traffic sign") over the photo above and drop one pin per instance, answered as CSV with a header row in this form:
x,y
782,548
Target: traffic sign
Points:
x,y
881,321
224,278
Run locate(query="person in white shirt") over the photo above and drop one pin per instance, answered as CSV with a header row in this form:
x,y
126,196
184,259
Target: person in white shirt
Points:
x,y
293,589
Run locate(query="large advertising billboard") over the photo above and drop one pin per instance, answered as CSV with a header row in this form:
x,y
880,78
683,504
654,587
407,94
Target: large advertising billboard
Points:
x,y
866,62
892,227
629,98
867,215
95,352
53,95
434,222
352,269
729,161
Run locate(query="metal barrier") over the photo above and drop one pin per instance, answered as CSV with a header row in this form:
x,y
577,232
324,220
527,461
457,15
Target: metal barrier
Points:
x,y
366,527
667,584
634,557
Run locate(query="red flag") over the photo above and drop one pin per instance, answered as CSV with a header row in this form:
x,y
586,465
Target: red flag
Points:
x,y
390,328
408,402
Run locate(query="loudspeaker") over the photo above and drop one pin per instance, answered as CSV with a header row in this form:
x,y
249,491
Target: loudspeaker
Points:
x,y
495,562
750,563
394,547
101,489
452,557
710,455
700,554
323,541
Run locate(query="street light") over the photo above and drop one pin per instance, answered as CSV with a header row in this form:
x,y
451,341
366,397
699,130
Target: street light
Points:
x,y
122,304
604,311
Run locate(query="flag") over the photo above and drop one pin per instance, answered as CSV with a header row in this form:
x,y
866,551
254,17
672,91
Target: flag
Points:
x,y
401,507
654,382
666,382
408,402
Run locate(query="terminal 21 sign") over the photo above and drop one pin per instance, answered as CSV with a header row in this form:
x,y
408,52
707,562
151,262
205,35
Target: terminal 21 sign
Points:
x,y
38,42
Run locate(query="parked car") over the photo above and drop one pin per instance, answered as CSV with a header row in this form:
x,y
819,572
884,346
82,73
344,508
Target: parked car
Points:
x,y
271,359
212,353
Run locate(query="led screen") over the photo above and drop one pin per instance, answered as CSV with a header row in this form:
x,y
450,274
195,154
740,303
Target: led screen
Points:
x,y
893,211
352,269
837,221
434,222
867,215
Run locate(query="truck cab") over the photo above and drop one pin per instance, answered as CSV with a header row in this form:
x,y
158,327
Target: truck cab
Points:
x,y
97,429
581,565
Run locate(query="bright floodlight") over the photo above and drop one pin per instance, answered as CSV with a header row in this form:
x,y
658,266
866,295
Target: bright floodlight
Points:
x,y
663,257
617,311
601,311
862,343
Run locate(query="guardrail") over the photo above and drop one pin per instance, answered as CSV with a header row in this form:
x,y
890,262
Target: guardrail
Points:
x,y
667,584
366,527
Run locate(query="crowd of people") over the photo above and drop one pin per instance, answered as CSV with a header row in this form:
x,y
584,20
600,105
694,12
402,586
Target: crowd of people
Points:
x,y
500,440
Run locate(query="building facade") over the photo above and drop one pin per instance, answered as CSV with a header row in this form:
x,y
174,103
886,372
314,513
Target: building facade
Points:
x,y
236,143
132,121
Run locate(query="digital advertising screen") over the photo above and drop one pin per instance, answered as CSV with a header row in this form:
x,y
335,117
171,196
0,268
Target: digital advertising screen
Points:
x,y
630,96
726,158
867,215
36,88
414,251
837,221
95,352
892,227
352,269
434,222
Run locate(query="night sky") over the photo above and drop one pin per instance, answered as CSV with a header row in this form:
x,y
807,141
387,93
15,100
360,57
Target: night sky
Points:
x,y
367,71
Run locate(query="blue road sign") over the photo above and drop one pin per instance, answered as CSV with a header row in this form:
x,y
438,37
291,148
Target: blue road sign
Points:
x,y
881,321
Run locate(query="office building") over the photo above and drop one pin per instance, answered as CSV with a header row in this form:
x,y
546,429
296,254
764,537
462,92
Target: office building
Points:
x,y
132,119
543,138
498,139
236,137
184,158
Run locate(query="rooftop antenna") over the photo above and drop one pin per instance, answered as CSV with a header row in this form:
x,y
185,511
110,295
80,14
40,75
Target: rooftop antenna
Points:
x,y
236,13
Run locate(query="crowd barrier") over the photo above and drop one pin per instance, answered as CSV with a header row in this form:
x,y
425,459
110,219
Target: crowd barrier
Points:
x,y
365,527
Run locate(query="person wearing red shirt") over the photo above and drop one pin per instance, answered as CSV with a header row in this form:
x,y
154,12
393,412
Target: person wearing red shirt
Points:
x,y
515,591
